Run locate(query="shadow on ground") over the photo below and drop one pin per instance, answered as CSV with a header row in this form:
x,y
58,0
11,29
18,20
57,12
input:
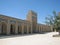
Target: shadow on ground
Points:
x,y
20,35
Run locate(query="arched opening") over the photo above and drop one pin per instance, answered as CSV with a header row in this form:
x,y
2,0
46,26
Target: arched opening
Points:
x,y
12,29
19,29
3,28
29,29
25,29
38,28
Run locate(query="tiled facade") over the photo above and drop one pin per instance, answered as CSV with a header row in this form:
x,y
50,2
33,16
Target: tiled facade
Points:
x,y
10,25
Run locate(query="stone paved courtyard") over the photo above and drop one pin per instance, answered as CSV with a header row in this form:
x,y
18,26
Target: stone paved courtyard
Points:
x,y
36,39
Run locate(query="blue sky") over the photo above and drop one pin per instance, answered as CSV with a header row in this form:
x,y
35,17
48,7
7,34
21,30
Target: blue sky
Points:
x,y
20,8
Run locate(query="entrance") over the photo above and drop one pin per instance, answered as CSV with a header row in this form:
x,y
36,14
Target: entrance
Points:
x,y
29,29
19,29
25,29
3,28
12,29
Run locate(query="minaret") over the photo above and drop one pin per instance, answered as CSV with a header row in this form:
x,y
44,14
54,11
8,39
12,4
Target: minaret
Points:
x,y
32,17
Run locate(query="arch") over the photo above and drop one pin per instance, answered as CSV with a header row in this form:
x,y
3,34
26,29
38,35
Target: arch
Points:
x,y
12,29
25,29
19,29
3,28
29,29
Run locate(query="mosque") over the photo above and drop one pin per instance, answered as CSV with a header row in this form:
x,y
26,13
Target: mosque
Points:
x,y
10,25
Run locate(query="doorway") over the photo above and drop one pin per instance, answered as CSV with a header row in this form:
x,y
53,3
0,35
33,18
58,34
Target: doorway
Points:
x,y
12,29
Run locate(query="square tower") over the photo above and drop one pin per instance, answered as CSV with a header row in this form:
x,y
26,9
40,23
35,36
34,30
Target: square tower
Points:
x,y
32,17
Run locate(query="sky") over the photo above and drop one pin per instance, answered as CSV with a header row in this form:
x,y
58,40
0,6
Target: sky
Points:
x,y
19,8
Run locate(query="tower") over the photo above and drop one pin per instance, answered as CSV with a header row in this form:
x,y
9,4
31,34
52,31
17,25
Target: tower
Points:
x,y
32,17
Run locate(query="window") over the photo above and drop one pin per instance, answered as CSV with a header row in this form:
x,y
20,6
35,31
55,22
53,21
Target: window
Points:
x,y
12,21
3,20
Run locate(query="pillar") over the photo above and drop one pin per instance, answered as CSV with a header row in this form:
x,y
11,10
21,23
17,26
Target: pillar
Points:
x,y
8,27
51,28
27,28
39,29
16,28
31,28
0,28
23,28
36,28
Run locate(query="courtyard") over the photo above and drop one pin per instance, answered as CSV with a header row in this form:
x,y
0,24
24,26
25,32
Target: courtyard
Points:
x,y
31,39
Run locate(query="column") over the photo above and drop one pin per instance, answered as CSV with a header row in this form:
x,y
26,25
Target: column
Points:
x,y
8,28
27,28
0,28
51,28
36,28
23,28
16,28
39,29
31,28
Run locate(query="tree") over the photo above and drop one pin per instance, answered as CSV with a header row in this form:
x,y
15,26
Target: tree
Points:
x,y
51,20
58,23
54,21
